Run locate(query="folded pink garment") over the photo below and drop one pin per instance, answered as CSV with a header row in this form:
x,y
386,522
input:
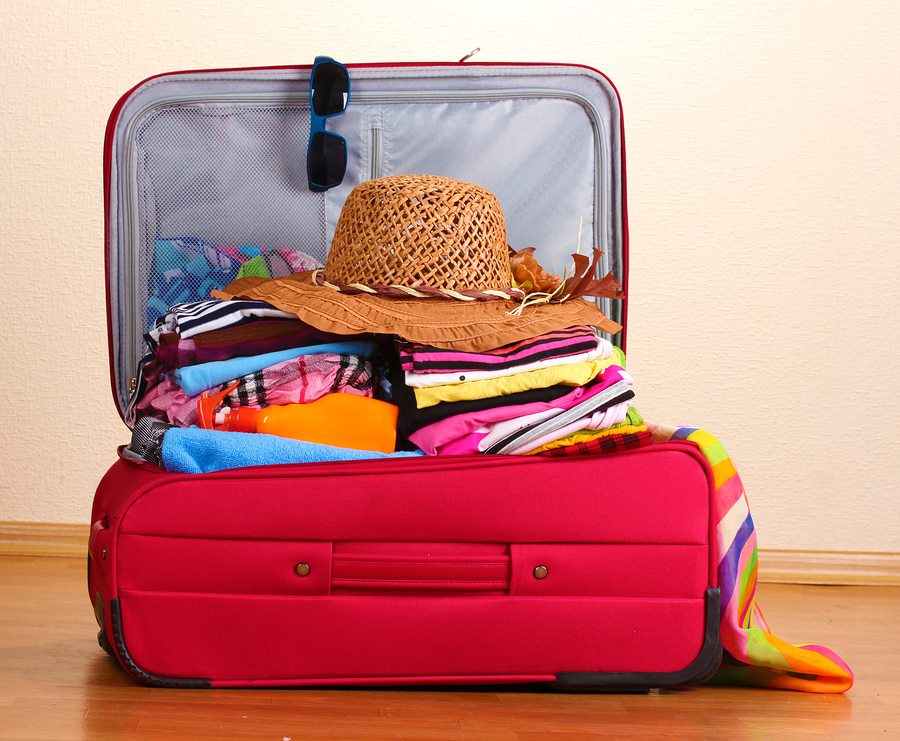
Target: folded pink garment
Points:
x,y
438,434
418,358
483,437
299,380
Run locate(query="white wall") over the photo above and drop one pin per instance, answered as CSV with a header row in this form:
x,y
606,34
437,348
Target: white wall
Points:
x,y
763,152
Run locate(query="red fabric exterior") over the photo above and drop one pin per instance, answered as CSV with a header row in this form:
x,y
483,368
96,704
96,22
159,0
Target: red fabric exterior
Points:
x,y
421,570
238,637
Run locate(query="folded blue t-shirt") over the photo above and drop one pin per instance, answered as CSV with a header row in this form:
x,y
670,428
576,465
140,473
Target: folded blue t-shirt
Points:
x,y
192,450
196,378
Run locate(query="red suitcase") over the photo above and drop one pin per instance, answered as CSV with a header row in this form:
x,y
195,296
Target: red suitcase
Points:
x,y
581,573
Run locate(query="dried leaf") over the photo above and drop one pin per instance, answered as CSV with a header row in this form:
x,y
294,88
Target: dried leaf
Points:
x,y
529,276
584,284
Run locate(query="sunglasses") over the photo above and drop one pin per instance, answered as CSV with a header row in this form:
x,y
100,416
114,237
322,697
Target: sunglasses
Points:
x,y
329,94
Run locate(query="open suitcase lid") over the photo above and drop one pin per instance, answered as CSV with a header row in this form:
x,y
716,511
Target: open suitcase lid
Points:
x,y
217,160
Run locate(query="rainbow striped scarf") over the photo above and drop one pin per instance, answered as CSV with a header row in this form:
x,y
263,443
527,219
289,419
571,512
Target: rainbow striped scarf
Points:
x,y
753,656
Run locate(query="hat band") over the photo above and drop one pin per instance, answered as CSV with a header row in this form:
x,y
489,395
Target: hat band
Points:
x,y
398,291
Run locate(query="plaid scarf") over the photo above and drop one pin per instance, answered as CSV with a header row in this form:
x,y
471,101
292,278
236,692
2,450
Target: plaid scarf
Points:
x,y
602,445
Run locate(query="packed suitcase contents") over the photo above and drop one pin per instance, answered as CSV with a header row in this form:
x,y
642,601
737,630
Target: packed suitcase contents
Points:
x,y
422,334
497,357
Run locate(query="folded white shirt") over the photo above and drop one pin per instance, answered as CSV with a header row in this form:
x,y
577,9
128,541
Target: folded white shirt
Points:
x,y
602,420
501,430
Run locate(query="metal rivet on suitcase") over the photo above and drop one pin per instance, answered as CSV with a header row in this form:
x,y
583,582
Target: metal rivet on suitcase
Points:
x,y
540,572
302,569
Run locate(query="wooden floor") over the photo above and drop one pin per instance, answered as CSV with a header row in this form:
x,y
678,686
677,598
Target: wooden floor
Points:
x,y
55,683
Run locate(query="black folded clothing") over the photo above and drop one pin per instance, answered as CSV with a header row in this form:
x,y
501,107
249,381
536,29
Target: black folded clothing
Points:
x,y
412,418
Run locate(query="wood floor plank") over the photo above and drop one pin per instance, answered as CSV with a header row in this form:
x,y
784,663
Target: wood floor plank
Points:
x,y
55,683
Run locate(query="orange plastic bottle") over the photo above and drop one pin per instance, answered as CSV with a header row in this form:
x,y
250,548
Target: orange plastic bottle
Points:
x,y
342,420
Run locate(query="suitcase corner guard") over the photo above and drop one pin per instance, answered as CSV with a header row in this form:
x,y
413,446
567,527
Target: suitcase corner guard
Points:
x,y
698,671
120,651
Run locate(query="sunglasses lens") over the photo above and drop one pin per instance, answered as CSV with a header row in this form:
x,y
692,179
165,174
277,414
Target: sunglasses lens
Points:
x,y
327,159
330,86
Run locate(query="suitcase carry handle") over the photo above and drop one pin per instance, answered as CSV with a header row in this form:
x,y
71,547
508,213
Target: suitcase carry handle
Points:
x,y
408,573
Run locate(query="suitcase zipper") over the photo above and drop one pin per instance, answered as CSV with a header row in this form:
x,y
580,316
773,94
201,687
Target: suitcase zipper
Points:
x,y
130,226
375,136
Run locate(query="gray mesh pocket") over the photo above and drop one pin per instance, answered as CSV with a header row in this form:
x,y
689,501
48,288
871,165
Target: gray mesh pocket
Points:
x,y
222,192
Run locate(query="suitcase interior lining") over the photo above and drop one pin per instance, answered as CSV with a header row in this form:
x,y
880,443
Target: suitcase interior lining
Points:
x,y
213,157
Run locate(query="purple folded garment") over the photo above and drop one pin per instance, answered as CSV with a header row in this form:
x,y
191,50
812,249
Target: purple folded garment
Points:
x,y
253,338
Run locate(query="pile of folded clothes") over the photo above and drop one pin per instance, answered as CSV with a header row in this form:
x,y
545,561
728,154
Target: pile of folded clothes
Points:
x,y
560,393
274,358
253,356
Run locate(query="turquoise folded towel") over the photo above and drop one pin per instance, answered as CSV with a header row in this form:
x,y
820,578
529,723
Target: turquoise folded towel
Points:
x,y
196,378
192,450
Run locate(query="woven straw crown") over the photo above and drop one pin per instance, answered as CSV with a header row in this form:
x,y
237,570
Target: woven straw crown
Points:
x,y
425,259
420,231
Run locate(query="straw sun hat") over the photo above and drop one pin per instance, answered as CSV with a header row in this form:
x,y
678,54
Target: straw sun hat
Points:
x,y
426,258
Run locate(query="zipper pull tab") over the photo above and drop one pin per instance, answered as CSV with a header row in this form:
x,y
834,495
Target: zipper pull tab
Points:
x,y
470,54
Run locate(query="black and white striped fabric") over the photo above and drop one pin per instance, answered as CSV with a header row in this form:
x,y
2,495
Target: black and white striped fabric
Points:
x,y
615,394
204,316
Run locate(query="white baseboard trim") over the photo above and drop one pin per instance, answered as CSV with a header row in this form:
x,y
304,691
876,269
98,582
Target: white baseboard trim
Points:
x,y
776,566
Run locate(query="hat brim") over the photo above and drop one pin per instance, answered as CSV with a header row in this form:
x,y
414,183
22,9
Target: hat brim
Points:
x,y
471,326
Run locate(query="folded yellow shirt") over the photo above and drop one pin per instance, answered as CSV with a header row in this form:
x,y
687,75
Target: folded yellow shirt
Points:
x,y
572,374
583,436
